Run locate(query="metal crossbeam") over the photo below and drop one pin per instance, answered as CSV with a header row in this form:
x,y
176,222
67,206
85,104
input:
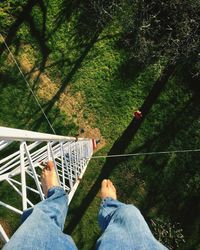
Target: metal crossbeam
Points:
x,y
22,153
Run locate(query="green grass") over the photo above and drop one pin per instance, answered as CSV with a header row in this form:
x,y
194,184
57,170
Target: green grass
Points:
x,y
164,187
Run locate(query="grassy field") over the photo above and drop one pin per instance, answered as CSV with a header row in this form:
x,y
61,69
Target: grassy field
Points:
x,y
84,82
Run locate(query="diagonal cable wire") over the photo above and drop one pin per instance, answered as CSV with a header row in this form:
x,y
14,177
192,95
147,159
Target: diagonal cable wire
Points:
x,y
22,74
147,153
98,156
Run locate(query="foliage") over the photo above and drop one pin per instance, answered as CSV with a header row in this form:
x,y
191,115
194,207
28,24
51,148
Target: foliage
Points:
x,y
167,233
112,52
162,29
19,109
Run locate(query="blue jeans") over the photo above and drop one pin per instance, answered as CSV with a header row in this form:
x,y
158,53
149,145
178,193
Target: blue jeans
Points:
x,y
123,225
124,228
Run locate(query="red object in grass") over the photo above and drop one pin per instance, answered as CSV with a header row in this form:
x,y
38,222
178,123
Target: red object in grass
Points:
x,y
138,115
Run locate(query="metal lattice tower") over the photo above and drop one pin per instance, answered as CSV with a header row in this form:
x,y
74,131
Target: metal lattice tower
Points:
x,y
22,153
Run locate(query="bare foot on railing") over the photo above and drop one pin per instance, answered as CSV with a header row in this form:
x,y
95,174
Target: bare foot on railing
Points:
x,y
49,177
108,190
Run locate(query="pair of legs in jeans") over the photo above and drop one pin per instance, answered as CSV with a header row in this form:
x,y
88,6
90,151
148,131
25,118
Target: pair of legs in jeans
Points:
x,y
122,225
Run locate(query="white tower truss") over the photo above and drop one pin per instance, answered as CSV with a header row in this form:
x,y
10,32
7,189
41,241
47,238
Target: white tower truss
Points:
x,y
22,153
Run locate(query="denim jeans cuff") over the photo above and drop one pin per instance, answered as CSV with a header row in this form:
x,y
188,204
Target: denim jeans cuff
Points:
x,y
53,189
107,199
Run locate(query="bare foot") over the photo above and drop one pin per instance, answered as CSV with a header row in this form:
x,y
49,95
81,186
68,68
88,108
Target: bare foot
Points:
x,y
108,190
49,177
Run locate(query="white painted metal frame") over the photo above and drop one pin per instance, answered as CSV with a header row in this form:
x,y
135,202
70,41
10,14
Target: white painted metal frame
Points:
x,y
70,156
3,235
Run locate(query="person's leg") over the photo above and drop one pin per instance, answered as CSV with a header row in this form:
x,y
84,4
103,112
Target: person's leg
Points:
x,y
42,227
123,225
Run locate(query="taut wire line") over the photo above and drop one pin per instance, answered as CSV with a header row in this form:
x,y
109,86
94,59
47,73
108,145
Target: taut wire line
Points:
x,y
146,153
22,74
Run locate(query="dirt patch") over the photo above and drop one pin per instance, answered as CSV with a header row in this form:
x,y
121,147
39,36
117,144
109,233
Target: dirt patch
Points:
x,y
47,88
6,227
71,104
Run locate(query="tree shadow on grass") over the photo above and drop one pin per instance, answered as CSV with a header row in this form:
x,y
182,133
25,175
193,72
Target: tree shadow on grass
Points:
x,y
176,127
86,34
39,34
67,79
169,178
16,25
67,9
121,144
88,30
130,70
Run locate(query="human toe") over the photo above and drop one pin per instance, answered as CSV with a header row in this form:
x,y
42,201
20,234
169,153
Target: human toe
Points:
x,y
50,165
104,183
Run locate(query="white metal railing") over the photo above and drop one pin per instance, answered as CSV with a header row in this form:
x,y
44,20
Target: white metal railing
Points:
x,y
3,235
22,153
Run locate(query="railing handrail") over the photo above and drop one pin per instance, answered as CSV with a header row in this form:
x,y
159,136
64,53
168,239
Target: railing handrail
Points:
x,y
70,156
13,134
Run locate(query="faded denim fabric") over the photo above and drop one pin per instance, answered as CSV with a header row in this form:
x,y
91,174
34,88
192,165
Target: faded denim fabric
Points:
x,y
42,230
124,228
